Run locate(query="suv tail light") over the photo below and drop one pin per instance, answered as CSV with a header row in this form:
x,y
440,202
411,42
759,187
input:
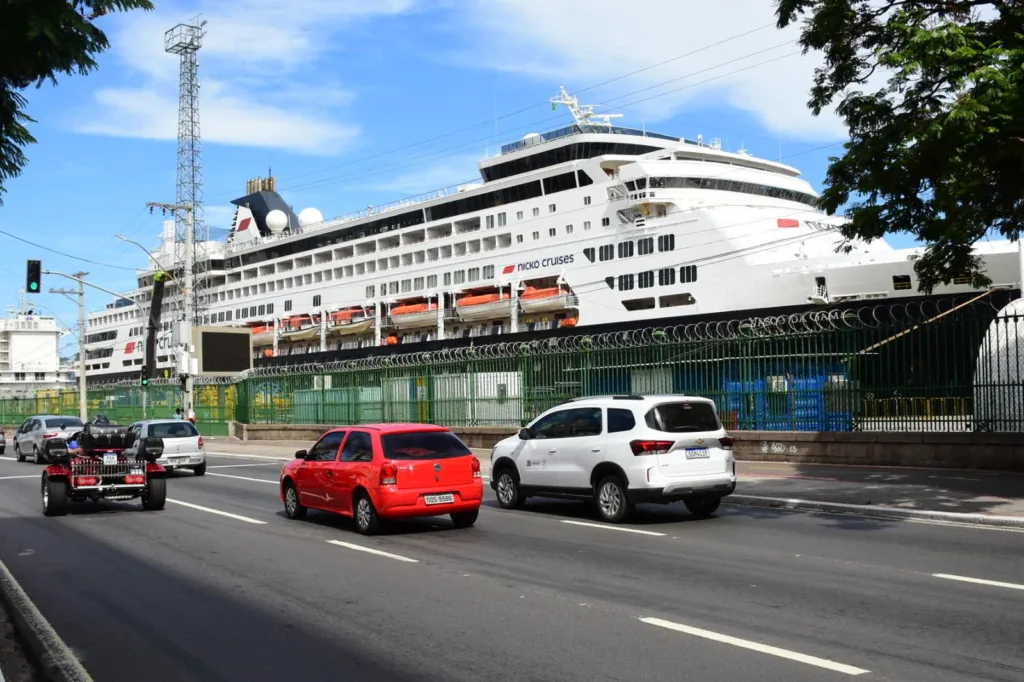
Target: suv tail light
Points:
x,y
388,474
726,442
201,442
651,447
475,464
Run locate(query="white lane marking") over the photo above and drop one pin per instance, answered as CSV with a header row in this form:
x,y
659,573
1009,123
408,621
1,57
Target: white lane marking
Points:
x,y
972,526
218,512
238,466
238,456
9,459
9,478
978,581
370,550
754,646
245,478
618,528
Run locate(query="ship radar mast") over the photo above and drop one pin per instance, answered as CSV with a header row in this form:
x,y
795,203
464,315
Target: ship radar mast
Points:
x,y
582,116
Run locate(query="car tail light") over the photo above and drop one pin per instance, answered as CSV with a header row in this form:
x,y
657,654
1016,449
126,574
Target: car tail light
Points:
x,y
87,480
388,474
651,447
475,464
134,479
726,442
200,442
50,435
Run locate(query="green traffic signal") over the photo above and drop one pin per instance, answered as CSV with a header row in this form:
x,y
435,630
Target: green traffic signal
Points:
x,y
33,275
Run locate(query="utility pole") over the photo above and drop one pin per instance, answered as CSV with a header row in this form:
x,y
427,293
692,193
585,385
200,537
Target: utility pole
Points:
x,y
83,412
185,285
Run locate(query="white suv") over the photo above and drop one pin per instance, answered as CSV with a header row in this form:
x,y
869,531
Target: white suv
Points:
x,y
620,451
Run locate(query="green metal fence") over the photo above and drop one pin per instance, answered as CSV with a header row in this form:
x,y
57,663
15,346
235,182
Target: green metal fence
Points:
x,y
936,365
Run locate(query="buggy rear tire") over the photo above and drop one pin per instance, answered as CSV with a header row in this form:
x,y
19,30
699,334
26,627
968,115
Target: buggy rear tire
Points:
x,y
155,497
55,497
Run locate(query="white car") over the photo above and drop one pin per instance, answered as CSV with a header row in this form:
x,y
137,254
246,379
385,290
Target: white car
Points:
x,y
183,445
620,451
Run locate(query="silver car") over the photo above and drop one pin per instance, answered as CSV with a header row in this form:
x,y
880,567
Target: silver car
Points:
x,y
30,437
183,445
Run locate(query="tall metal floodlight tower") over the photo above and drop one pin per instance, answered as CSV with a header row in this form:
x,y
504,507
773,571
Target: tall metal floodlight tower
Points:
x,y
191,233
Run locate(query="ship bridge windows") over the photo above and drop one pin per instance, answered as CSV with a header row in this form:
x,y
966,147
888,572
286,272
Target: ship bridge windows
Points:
x,y
571,152
722,185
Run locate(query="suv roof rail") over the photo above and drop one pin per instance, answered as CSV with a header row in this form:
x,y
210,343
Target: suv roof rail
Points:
x,y
605,397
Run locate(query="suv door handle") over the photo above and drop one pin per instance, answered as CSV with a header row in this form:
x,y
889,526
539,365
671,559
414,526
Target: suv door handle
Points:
x,y
595,449
552,451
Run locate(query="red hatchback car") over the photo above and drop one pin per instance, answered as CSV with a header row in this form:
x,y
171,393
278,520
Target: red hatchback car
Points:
x,y
385,471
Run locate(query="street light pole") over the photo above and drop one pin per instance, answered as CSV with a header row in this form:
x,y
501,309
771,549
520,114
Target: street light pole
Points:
x,y
83,412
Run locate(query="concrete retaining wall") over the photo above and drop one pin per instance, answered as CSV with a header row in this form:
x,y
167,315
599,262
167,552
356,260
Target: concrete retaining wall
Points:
x,y
993,451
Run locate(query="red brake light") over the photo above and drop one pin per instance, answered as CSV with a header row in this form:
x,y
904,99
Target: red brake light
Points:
x,y
388,474
651,447
87,480
50,435
475,464
134,479
726,442
200,442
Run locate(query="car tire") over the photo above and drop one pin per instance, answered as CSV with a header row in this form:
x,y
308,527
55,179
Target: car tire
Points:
x,y
2,450
367,521
55,497
293,509
704,506
199,470
155,497
18,453
610,497
465,519
507,489
35,456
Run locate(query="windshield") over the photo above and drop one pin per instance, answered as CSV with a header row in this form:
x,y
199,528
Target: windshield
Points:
x,y
67,422
173,430
423,445
683,417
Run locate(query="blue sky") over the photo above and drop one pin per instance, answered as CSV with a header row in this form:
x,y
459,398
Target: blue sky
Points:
x,y
347,100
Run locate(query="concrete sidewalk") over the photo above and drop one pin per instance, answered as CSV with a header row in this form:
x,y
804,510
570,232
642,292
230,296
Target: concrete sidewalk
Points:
x,y
983,497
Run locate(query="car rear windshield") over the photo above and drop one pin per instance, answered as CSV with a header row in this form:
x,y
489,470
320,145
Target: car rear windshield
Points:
x,y
683,417
173,430
68,422
423,445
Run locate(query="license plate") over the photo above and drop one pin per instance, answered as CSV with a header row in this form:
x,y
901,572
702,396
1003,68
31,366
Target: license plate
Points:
x,y
697,453
439,499
179,460
109,459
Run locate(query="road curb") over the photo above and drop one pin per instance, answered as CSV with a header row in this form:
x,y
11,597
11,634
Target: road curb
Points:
x,y
875,511
53,658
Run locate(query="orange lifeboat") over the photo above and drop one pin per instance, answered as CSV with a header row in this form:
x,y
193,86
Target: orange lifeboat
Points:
x,y
412,315
569,322
544,299
483,306
352,320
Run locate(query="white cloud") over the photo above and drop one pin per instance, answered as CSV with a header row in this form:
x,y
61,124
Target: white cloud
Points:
x,y
583,42
258,83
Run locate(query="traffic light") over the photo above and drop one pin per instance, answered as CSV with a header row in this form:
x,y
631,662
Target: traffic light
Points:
x,y
144,381
33,277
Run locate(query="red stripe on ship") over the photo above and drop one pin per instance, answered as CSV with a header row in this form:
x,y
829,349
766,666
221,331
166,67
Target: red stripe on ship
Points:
x,y
787,222
244,225
509,269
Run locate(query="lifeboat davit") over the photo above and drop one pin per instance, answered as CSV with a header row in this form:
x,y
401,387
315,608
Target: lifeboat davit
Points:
x,y
412,315
483,306
543,300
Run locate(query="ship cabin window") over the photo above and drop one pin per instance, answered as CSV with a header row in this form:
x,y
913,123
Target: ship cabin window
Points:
x,y
431,282
501,220
645,280
460,276
645,246
666,277
406,286
586,201
519,215
607,252
536,211
586,224
688,273
263,310
447,279
488,272
287,306
490,222
270,309
551,208
252,311
371,291
674,300
227,316
473,274
536,235
633,304
667,242
625,249
590,253
568,229
605,222
417,284
625,282
552,232
901,282
519,239
392,287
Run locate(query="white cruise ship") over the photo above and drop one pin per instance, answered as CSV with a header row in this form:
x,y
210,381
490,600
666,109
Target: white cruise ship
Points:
x,y
591,225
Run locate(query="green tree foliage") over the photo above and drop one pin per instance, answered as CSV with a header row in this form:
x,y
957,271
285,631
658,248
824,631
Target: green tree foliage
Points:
x,y
40,39
939,151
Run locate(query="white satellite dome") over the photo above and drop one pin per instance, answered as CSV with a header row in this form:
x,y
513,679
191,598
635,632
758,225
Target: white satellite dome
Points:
x,y
310,216
277,220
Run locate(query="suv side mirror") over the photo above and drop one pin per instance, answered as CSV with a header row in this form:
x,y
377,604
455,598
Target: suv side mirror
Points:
x,y
524,434
300,454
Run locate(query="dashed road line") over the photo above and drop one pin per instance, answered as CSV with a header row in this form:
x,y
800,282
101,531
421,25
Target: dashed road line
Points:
x,y
617,528
238,456
370,550
218,512
10,478
755,646
238,466
978,581
245,478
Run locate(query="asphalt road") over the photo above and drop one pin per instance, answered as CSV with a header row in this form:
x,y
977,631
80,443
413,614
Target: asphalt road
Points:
x,y
220,586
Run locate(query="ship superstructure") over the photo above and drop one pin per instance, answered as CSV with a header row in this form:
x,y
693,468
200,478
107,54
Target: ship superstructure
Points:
x,y
591,225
